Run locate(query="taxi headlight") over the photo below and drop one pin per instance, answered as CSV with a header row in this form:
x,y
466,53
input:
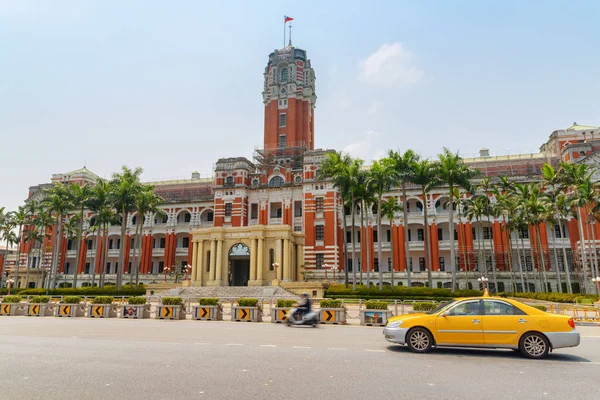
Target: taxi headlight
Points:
x,y
394,324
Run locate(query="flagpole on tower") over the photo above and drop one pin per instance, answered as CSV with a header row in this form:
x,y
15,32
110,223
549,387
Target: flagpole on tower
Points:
x,y
284,22
290,33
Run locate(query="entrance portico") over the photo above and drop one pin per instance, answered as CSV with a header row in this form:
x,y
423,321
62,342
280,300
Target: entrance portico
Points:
x,y
245,256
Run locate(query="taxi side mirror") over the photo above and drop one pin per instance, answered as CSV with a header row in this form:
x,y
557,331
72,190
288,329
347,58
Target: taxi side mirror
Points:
x,y
445,314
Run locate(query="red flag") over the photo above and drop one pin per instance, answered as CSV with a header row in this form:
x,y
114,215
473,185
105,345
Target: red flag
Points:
x,y
288,19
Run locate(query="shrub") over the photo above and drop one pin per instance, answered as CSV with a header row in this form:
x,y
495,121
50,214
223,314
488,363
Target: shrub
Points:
x,y
86,291
208,301
330,303
376,305
247,302
554,297
71,299
397,293
40,299
539,307
136,300
12,299
286,303
172,301
424,306
103,300
65,285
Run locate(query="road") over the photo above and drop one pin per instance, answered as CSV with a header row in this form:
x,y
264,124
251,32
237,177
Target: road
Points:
x,y
55,358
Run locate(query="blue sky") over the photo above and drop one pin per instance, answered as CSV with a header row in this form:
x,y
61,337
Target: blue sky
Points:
x,y
172,86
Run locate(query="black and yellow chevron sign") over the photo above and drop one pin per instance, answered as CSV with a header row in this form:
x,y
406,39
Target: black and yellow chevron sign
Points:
x,y
5,309
167,312
97,311
64,310
34,310
282,315
243,313
204,312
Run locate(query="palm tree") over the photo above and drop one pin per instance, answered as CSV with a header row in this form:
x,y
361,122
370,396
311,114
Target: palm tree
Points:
x,y
425,175
380,178
125,187
345,173
20,218
563,212
80,195
7,234
100,204
389,209
70,228
404,166
57,202
454,173
146,201
365,200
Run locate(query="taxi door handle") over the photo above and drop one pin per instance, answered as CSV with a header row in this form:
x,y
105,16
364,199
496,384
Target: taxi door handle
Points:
x,y
522,321
476,321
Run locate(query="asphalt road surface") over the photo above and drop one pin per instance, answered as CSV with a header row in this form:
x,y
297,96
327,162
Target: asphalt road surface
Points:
x,y
55,358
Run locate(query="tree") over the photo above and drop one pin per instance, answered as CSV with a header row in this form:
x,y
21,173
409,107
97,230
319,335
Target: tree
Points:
x,y
404,166
80,195
146,201
345,173
381,176
389,208
7,234
58,203
125,187
104,216
454,173
20,218
365,200
425,175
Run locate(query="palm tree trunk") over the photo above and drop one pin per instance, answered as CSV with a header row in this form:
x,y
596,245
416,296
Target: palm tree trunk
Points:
x,y
542,258
18,260
583,256
379,242
122,247
479,252
367,262
493,257
55,254
79,237
136,239
558,277
345,227
406,243
451,233
427,250
566,265
95,257
520,264
594,249
362,252
353,206
138,260
392,252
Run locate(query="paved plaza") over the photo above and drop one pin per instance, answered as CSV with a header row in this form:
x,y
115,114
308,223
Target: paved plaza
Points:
x,y
52,358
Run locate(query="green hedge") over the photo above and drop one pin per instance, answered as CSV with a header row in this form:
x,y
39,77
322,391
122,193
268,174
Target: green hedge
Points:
x,y
397,293
87,291
39,299
71,300
247,302
542,308
330,303
286,303
12,299
172,301
376,305
136,300
208,301
103,300
424,306
554,297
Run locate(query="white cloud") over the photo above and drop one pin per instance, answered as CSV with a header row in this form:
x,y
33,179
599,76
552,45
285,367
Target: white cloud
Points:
x,y
390,65
374,108
368,148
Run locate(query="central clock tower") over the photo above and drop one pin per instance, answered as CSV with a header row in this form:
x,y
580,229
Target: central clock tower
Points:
x,y
289,99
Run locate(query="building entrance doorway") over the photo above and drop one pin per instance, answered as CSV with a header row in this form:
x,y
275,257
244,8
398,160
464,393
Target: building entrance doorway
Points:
x,y
239,265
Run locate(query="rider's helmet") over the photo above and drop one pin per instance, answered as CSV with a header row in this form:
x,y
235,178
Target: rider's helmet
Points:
x,y
305,295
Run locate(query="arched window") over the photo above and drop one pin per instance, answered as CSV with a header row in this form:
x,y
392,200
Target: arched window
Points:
x,y
276,181
229,180
284,74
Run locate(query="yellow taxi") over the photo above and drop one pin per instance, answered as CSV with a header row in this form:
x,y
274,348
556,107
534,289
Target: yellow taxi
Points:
x,y
488,322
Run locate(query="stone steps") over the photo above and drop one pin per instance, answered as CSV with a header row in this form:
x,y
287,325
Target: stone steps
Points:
x,y
257,292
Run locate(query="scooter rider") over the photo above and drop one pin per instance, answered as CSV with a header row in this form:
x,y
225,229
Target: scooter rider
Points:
x,y
303,305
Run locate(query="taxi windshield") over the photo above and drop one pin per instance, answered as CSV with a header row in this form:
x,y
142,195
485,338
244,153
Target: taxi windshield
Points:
x,y
440,307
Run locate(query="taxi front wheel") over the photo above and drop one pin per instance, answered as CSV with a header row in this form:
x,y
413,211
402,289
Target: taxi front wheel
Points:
x,y
419,340
534,345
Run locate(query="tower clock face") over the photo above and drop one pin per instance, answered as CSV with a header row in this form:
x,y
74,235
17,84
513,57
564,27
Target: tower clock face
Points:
x,y
282,91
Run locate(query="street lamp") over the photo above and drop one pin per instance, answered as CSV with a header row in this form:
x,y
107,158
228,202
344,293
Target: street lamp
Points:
x,y
187,269
275,265
326,267
9,283
483,280
596,280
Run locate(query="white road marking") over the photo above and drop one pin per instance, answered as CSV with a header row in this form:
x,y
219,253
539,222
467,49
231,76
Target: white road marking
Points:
x,y
268,345
301,347
204,344
376,351
233,344
336,348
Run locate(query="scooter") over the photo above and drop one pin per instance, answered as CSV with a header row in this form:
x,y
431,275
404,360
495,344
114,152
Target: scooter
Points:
x,y
310,318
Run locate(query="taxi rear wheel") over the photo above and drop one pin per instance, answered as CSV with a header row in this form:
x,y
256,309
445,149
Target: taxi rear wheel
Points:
x,y
534,345
419,340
